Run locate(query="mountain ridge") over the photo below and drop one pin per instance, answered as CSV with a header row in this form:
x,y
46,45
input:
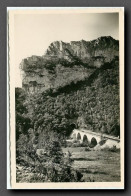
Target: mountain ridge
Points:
x,y
60,91
76,60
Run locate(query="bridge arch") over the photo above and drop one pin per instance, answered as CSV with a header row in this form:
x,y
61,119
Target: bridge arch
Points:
x,y
93,141
85,139
78,136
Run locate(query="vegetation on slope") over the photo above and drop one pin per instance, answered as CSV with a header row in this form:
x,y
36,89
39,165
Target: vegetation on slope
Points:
x,y
46,119
92,103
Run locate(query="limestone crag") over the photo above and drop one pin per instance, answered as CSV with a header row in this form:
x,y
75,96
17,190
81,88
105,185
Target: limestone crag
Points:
x,y
64,63
103,47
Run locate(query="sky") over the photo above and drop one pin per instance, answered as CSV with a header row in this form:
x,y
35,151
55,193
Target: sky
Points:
x,y
33,33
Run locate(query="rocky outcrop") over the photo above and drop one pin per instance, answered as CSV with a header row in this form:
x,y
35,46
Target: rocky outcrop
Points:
x,y
86,51
63,63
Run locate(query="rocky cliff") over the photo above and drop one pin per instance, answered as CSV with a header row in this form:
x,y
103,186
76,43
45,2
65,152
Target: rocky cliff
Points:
x,y
79,82
64,63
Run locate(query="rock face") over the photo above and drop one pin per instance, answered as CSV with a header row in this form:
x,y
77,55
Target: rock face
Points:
x,y
99,50
64,63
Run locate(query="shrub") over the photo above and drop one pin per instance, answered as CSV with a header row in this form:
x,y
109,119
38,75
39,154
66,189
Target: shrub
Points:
x,y
87,149
84,144
114,149
69,144
52,165
102,142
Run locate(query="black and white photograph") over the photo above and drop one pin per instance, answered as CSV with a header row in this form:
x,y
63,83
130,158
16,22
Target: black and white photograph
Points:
x,y
66,98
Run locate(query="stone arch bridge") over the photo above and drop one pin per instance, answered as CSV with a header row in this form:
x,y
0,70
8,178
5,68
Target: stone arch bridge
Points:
x,y
83,134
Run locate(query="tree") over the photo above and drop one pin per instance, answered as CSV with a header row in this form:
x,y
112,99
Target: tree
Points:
x,y
52,163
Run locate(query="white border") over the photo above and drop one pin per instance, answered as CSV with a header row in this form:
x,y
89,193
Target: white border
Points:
x,y
88,185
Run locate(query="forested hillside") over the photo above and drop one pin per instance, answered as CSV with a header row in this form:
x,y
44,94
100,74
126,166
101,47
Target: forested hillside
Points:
x,y
92,103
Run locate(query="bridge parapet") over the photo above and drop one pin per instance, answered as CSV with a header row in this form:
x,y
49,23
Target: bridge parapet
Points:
x,y
82,133
90,134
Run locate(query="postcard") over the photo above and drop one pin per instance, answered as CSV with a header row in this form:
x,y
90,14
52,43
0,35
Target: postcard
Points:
x,y
65,86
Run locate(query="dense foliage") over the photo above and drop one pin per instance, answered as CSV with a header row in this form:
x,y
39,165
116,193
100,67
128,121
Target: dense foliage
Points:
x,y
93,103
45,120
23,121
43,156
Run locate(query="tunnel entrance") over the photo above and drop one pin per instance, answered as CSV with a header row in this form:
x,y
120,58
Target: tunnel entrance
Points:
x,y
73,126
70,129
